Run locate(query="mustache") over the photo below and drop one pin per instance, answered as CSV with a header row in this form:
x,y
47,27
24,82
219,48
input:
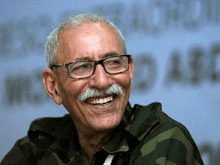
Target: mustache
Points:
x,y
91,92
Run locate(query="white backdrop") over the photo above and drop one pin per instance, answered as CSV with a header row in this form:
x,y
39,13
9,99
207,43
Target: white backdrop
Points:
x,y
175,46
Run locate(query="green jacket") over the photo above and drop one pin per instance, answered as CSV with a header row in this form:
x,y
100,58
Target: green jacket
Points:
x,y
146,135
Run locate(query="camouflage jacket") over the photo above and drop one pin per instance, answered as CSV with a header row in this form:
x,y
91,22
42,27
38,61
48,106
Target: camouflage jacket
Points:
x,y
146,135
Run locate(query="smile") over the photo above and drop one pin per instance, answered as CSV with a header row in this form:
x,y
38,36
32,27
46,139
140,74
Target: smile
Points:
x,y
96,101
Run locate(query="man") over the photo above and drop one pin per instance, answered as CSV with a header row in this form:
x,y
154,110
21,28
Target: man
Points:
x,y
90,73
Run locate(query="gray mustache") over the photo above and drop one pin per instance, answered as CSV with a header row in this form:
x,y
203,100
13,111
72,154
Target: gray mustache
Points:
x,y
113,89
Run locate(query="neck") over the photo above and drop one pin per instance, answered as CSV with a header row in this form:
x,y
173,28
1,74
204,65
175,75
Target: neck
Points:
x,y
93,141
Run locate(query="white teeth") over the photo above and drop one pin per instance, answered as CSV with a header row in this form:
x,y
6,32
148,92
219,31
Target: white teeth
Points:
x,y
102,100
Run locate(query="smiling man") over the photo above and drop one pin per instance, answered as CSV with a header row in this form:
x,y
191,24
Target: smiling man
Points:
x,y
90,73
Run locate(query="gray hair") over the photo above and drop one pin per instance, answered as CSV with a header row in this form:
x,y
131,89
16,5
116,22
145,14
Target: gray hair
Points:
x,y
52,44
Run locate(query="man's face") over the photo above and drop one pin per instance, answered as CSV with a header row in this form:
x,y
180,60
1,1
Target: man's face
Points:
x,y
92,41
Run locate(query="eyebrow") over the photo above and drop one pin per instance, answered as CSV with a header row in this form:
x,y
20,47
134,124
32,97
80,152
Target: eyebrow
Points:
x,y
105,55
110,54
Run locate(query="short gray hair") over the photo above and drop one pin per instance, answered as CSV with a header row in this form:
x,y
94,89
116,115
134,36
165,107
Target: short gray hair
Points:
x,y
52,44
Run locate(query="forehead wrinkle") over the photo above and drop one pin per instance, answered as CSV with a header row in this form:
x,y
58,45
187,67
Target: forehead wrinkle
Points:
x,y
103,28
67,44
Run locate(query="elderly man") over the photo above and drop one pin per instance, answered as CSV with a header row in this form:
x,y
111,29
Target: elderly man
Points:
x,y
90,73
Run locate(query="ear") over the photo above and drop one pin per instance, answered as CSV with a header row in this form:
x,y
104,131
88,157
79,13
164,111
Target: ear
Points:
x,y
131,69
50,82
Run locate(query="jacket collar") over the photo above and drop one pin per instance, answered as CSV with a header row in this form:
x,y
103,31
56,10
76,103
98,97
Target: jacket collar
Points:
x,y
143,119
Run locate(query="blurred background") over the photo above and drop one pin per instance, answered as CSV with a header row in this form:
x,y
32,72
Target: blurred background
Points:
x,y
176,49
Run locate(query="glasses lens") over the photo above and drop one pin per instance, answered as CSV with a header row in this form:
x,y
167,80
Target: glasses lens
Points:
x,y
116,64
81,69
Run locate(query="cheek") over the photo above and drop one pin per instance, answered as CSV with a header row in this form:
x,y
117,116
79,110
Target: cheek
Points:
x,y
124,80
71,93
72,89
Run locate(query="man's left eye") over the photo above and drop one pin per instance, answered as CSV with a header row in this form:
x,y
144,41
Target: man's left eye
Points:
x,y
114,62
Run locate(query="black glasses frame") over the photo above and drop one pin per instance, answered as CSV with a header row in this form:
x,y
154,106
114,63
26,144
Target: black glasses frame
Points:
x,y
95,64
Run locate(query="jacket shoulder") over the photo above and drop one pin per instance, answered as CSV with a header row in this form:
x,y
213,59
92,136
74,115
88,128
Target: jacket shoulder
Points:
x,y
147,119
56,127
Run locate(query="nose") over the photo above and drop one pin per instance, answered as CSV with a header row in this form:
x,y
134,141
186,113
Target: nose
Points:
x,y
100,79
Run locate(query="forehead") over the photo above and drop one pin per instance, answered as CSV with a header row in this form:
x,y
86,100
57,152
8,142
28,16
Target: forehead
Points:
x,y
89,39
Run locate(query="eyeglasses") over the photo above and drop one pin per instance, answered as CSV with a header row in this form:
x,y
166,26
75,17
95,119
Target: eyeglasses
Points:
x,y
85,68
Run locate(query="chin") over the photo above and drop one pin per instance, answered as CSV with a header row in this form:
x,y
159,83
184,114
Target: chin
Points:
x,y
107,124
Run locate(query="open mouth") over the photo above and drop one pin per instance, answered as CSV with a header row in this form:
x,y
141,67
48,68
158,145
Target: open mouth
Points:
x,y
100,101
